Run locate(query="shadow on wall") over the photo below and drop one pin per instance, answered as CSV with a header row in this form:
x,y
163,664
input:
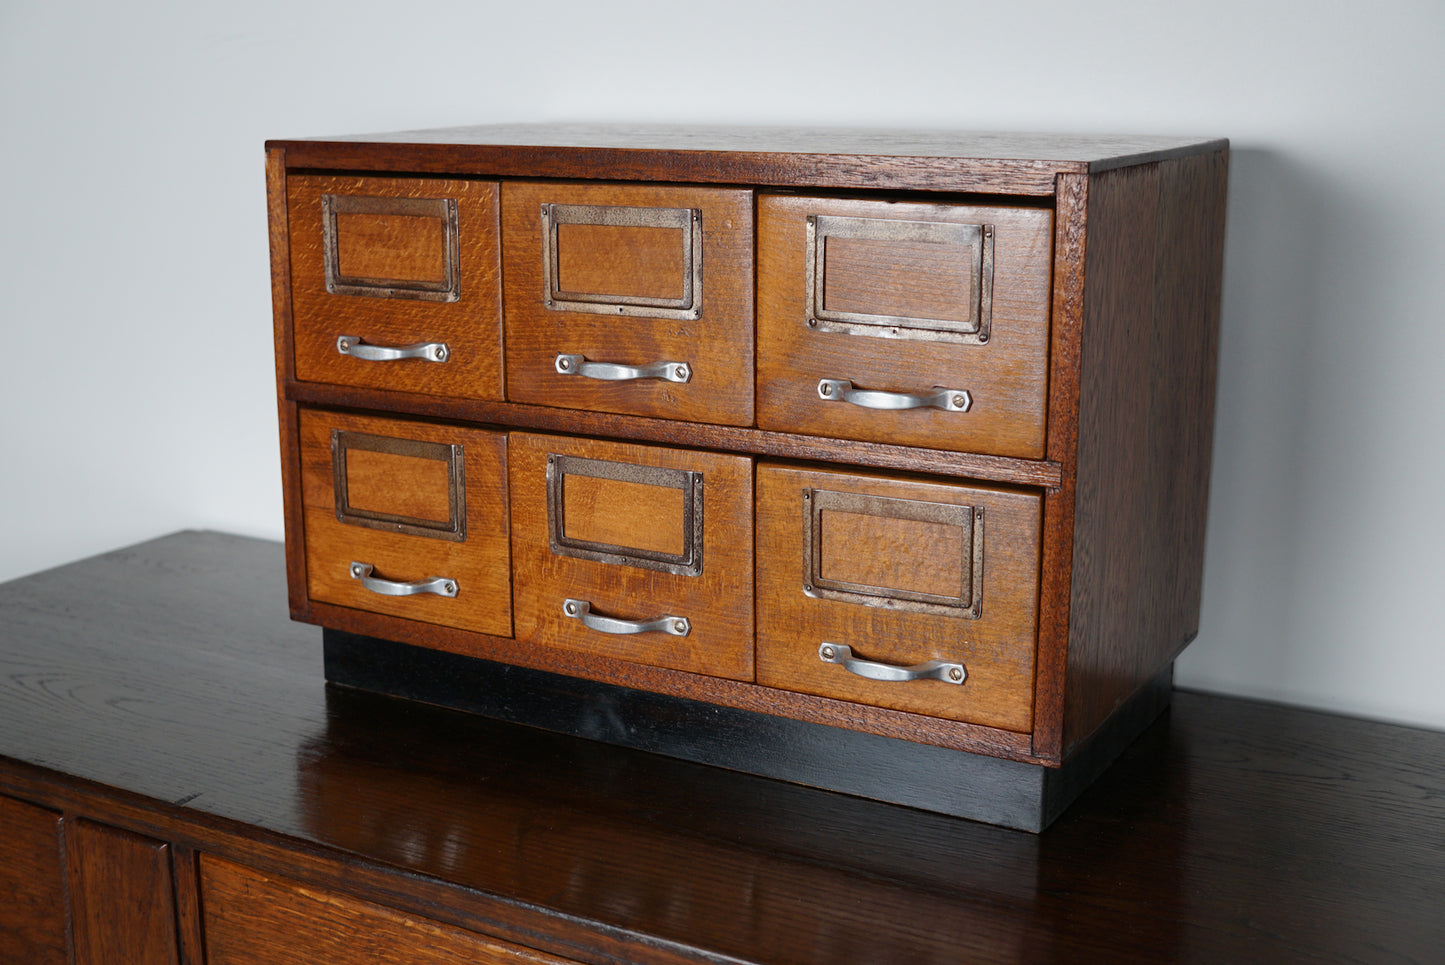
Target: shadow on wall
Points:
x,y
1273,268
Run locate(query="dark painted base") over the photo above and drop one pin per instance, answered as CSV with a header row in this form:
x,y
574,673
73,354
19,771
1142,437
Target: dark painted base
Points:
x,y
1008,793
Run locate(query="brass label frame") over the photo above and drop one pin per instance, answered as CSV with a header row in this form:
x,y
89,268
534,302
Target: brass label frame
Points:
x,y
969,518
689,220
972,331
448,289
455,527
686,563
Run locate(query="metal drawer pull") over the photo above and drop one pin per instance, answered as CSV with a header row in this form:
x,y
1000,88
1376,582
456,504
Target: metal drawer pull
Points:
x,y
582,610
440,585
609,372
353,346
950,673
842,390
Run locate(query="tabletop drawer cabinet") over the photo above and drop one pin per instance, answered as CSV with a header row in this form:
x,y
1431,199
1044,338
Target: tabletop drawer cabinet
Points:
x,y
863,460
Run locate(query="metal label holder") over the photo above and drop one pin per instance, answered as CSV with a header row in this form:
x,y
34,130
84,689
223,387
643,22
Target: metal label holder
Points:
x,y
448,289
686,563
967,518
453,529
976,238
688,220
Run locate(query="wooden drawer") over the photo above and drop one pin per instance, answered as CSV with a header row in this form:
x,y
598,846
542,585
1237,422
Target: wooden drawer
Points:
x,y
608,535
901,572
252,918
941,307
415,503
630,298
384,267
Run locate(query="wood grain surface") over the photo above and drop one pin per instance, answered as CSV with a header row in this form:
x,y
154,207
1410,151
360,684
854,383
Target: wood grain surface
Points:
x,y
997,649
793,156
257,919
391,247
781,445
1006,377
32,885
718,601
912,279
471,326
718,346
480,564
624,260
162,689
122,897
1146,408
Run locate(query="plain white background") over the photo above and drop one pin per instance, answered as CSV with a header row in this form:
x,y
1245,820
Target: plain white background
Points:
x,y
136,379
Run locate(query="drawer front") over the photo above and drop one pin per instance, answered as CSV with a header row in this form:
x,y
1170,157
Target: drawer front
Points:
x,y
914,324
395,284
407,519
630,298
896,573
634,552
253,918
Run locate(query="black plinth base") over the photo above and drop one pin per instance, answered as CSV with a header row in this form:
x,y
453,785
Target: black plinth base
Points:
x,y
1008,793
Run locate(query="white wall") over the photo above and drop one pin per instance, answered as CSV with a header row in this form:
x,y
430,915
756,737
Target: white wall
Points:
x,y
136,392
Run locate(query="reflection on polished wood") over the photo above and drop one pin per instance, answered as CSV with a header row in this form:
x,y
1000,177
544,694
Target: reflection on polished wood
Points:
x,y
162,691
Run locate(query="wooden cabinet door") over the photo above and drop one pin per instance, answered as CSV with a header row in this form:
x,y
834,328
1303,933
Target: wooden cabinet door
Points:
x,y
32,885
121,896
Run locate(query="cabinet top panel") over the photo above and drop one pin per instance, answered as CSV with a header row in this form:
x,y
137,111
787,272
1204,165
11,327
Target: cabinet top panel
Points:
x,y
837,158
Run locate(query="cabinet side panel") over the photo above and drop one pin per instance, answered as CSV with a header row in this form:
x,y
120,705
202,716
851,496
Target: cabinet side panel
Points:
x,y
1056,557
32,885
1146,406
122,897
1189,282
285,372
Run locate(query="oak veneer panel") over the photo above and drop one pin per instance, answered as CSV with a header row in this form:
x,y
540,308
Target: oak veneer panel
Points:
x,y
717,346
480,564
1007,376
831,158
283,332
910,554
779,445
391,246
122,897
624,514
874,277
718,601
997,648
621,260
470,326
401,485
1146,401
257,919
32,885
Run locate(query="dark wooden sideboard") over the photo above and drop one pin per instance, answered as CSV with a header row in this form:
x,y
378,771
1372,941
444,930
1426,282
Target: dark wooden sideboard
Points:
x,y
179,784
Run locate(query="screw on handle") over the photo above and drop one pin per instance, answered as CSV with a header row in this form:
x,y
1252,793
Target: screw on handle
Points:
x,y
837,653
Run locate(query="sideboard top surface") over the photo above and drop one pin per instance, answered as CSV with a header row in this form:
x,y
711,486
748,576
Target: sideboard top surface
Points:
x,y
860,158
1234,830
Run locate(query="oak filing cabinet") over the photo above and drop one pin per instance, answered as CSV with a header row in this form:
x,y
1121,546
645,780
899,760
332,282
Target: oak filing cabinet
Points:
x,y
866,460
